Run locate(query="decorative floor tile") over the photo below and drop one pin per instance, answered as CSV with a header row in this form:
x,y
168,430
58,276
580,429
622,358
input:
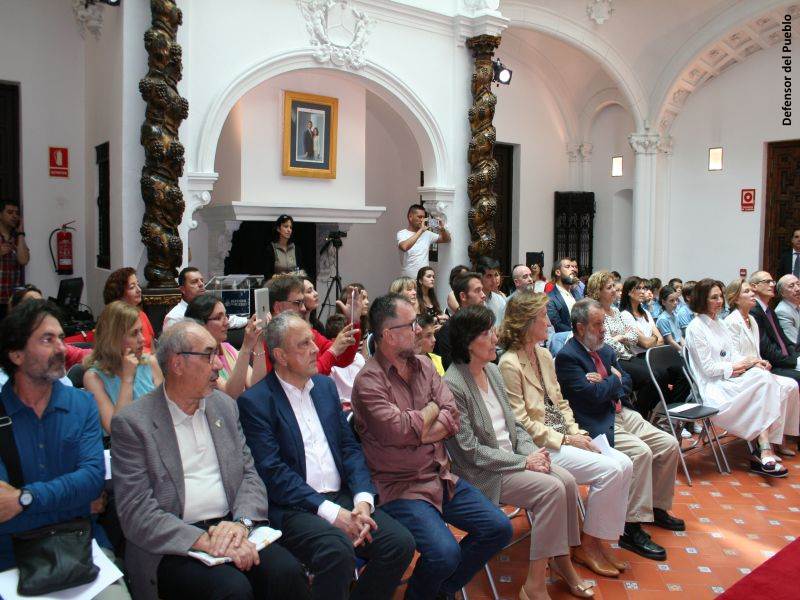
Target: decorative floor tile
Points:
x,y
674,587
691,550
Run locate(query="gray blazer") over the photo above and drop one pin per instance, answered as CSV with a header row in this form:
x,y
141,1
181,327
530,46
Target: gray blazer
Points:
x,y
789,319
149,482
474,450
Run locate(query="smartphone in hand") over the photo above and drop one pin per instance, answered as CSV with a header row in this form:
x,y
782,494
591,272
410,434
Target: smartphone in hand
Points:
x,y
262,305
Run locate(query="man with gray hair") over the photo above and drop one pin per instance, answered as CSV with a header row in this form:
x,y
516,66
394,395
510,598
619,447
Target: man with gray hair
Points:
x,y
788,309
523,279
598,393
320,489
184,480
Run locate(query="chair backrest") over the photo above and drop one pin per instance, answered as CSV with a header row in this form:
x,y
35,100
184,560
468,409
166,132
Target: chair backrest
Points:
x,y
660,357
690,376
557,341
75,375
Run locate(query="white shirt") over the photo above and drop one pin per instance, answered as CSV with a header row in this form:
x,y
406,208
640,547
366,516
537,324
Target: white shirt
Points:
x,y
202,480
321,471
415,257
498,418
177,313
497,304
568,297
344,377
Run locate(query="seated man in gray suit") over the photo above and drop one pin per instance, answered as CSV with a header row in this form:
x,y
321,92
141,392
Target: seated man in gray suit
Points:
x,y
184,480
788,309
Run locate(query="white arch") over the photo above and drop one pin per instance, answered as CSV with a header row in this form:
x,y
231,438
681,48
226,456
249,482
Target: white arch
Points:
x,y
376,78
696,46
522,14
594,106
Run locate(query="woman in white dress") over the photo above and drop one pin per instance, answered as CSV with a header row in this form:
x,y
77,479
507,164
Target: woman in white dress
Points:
x,y
745,392
744,333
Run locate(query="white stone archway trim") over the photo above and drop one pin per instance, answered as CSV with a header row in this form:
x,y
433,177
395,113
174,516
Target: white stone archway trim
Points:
x,y
722,43
522,14
378,79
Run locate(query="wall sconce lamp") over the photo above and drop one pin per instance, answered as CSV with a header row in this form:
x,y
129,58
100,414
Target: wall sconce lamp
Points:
x,y
616,166
715,159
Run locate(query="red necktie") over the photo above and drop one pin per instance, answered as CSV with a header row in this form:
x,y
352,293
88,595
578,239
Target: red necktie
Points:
x,y
603,372
784,351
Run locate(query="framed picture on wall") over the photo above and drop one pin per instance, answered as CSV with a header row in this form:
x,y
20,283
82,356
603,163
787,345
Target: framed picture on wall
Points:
x,y
309,135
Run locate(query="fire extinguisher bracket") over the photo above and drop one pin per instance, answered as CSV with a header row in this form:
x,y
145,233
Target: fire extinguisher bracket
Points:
x,y
62,265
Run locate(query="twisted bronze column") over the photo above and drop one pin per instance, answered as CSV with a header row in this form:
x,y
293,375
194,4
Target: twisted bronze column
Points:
x,y
480,182
166,109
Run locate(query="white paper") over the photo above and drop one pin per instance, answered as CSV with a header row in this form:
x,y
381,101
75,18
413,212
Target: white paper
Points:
x,y
107,456
683,407
601,443
260,536
109,573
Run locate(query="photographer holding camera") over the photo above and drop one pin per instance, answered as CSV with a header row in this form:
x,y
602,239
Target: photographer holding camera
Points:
x,y
415,241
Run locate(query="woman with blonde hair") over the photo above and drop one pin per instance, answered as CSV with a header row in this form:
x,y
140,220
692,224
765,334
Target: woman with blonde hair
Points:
x,y
406,287
743,330
535,396
118,370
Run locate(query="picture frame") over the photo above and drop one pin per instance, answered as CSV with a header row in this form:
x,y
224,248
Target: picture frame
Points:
x,y
310,124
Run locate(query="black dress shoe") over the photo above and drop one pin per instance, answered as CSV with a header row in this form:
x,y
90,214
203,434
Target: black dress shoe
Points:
x,y
636,540
666,521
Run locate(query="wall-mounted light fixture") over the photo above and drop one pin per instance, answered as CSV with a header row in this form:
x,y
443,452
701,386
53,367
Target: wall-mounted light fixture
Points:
x,y
715,159
109,2
616,166
502,74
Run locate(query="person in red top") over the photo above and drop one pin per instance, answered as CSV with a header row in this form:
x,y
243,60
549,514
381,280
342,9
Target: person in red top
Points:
x,y
123,284
14,253
286,293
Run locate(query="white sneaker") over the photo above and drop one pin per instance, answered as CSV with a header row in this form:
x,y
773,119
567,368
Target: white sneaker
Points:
x,y
686,434
698,428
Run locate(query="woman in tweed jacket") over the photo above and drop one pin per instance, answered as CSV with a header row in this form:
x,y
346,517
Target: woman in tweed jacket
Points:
x,y
495,453
535,397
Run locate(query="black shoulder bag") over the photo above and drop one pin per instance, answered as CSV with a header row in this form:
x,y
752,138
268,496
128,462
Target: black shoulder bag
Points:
x,y
51,558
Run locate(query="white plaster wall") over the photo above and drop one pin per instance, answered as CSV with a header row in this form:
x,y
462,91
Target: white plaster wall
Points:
x,y
738,111
41,50
613,241
369,254
526,116
262,143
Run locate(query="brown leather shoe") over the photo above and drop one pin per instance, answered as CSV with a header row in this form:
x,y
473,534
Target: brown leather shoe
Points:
x,y
603,568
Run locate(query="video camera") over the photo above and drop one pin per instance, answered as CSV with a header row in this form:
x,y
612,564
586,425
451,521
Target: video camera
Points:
x,y
335,238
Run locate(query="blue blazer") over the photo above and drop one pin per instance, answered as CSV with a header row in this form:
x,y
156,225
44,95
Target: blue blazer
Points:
x,y
592,403
276,443
557,311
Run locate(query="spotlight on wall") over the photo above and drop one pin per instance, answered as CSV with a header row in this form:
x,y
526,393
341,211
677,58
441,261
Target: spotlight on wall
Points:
x,y
715,159
502,74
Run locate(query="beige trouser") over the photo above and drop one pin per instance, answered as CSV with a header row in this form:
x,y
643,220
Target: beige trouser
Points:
x,y
655,460
552,501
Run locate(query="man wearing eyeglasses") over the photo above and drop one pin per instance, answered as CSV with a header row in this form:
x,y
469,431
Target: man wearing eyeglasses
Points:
x,y
781,352
184,480
403,413
286,293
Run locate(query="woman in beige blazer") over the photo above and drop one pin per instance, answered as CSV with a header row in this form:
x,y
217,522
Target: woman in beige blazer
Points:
x,y
494,453
535,397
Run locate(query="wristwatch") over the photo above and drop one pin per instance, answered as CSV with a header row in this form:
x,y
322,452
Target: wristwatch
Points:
x,y
25,498
247,523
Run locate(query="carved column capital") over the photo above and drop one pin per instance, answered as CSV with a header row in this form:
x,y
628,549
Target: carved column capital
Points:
x,y
572,152
644,143
665,145
585,150
483,46
89,17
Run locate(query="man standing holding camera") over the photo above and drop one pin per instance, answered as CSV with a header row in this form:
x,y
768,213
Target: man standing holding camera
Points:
x,y
415,241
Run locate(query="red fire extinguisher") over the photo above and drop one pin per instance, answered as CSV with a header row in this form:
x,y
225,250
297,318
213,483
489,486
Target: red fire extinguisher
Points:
x,y
63,265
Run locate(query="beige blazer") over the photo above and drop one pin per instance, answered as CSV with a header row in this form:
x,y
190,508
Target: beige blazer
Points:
x,y
526,395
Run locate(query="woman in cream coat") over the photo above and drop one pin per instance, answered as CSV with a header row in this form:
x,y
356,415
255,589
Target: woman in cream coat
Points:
x,y
745,335
494,453
535,396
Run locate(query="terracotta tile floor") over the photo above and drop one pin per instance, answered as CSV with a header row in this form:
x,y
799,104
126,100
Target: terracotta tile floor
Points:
x,y
733,524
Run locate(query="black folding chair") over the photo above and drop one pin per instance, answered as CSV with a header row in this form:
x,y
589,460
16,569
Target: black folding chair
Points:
x,y
659,358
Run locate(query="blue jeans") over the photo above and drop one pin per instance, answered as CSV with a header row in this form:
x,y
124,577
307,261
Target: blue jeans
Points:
x,y
444,564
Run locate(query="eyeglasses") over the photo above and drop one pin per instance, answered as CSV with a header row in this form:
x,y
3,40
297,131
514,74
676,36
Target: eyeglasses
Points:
x,y
413,324
768,281
209,355
297,303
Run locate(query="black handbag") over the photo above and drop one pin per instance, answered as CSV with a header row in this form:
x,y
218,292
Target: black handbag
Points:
x,y
51,558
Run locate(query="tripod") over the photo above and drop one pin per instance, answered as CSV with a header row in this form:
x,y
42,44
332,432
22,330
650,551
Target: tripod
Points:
x,y
335,282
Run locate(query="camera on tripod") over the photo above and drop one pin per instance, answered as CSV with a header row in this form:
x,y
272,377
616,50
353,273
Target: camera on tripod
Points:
x,y
335,238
